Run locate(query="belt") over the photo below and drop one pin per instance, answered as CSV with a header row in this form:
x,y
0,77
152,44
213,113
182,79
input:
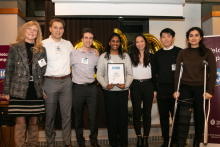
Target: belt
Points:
x,y
58,78
31,79
86,84
142,80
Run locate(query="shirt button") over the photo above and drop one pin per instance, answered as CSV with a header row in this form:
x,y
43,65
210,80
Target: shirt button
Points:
x,y
39,76
19,75
18,62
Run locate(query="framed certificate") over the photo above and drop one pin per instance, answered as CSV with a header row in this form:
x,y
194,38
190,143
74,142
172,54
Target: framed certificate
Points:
x,y
116,73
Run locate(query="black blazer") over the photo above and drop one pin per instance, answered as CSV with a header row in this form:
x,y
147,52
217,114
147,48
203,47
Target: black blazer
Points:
x,y
153,68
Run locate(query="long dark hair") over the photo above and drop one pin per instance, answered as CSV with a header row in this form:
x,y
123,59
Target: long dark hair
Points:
x,y
108,47
202,47
136,53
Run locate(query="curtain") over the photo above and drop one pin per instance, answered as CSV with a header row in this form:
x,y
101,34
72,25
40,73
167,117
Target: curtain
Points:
x,y
103,27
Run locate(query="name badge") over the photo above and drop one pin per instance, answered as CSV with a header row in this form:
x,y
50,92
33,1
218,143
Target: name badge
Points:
x,y
173,67
58,50
42,62
85,61
110,62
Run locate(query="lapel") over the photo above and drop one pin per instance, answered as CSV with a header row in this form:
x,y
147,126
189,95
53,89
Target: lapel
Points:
x,y
36,58
22,53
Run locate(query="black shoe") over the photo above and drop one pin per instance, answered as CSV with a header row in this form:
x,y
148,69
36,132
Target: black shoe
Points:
x,y
82,145
165,144
173,144
196,143
180,145
139,141
145,141
95,144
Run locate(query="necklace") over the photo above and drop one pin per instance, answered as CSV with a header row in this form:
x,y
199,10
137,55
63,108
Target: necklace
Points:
x,y
29,63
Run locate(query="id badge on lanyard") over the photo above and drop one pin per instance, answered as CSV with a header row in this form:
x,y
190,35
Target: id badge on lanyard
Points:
x,y
58,50
85,61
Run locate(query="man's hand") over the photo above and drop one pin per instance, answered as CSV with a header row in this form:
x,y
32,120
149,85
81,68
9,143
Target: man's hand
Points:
x,y
110,86
175,95
207,96
122,86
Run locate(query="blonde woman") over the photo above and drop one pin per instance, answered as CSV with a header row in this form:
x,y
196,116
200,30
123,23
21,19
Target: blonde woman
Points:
x,y
25,67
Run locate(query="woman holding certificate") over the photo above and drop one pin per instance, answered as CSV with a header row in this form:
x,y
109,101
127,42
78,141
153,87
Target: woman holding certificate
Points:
x,y
142,88
115,75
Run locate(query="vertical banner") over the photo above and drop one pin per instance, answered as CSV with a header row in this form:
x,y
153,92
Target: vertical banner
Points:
x,y
3,58
213,43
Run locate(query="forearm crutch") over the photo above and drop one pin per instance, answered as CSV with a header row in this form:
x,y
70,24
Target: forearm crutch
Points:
x,y
175,106
204,104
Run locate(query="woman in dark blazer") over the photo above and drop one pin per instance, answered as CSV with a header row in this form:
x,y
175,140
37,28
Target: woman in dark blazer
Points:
x,y
142,88
25,67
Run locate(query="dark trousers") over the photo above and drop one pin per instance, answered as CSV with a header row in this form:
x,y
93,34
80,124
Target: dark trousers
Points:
x,y
116,106
85,95
166,104
142,91
193,97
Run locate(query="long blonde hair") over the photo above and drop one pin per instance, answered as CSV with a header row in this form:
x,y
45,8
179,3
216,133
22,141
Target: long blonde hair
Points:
x,y
22,32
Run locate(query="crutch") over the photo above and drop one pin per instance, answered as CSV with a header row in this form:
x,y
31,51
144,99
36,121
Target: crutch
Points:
x,y
175,106
204,103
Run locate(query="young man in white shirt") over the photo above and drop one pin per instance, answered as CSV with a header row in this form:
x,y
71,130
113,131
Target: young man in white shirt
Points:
x,y
57,82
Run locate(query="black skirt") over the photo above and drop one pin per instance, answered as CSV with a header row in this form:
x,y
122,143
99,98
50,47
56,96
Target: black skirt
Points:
x,y
31,106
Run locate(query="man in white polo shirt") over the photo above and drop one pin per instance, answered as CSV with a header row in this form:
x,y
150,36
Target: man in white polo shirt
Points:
x,y
57,82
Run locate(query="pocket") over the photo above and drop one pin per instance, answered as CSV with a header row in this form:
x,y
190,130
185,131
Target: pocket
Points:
x,y
48,91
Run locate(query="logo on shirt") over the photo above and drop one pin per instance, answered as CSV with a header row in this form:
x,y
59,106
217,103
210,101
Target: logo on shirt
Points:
x,y
115,67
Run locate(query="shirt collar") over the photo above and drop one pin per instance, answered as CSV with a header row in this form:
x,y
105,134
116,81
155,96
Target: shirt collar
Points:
x,y
81,50
51,40
169,48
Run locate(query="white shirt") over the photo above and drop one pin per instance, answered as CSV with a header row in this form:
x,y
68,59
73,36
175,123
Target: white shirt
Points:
x,y
58,64
168,48
141,72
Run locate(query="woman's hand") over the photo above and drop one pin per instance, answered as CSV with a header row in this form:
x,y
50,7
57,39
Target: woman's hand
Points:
x,y
7,97
207,96
129,94
110,86
44,95
96,52
175,95
122,86
155,96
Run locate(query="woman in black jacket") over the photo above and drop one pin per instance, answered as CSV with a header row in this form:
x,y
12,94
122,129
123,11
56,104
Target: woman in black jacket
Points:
x,y
25,67
142,88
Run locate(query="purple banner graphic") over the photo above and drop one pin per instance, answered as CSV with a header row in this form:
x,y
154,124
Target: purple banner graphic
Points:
x,y
3,58
213,43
